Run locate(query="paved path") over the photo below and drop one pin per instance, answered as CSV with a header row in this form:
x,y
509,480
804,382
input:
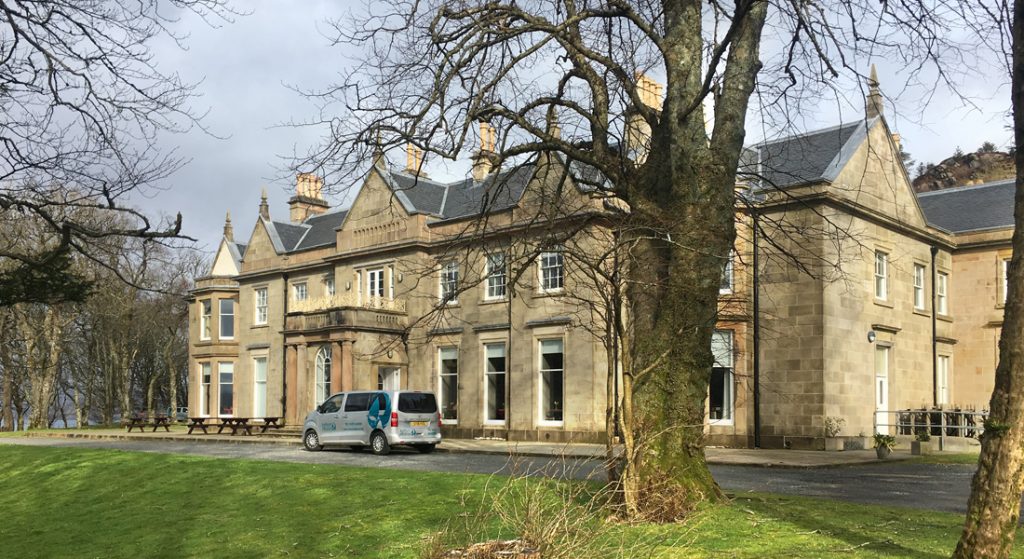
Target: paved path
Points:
x,y
927,486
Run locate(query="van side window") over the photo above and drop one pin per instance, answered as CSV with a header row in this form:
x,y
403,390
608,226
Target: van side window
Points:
x,y
358,402
382,402
333,404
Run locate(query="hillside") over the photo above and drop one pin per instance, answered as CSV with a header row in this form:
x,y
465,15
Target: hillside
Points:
x,y
965,169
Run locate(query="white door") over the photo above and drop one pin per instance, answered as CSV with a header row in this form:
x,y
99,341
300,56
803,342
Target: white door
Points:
x,y
881,389
389,378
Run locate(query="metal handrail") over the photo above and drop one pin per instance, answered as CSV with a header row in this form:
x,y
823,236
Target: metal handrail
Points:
x,y
937,422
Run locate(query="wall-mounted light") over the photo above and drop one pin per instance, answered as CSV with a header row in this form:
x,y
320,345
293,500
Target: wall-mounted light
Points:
x,y
401,277
390,354
348,286
871,336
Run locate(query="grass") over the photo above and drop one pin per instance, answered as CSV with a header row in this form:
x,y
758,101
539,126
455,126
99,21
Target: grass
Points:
x,y
105,503
970,459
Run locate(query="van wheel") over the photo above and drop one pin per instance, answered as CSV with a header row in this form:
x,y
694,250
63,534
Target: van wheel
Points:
x,y
379,444
425,448
311,441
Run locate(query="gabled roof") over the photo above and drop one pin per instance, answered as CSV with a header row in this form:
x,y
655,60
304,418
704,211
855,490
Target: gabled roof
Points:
x,y
970,208
316,231
420,195
815,156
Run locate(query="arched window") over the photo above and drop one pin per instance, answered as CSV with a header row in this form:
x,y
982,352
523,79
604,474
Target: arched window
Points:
x,y
323,374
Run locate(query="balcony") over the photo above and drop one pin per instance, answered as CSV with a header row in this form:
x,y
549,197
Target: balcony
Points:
x,y
343,311
348,301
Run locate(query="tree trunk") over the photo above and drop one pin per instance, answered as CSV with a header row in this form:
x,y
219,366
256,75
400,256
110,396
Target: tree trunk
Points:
x,y
994,508
7,395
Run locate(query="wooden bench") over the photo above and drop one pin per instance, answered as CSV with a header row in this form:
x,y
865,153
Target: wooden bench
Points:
x,y
270,423
140,422
203,423
236,424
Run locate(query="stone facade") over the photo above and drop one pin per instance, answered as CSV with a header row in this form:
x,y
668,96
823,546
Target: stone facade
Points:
x,y
355,299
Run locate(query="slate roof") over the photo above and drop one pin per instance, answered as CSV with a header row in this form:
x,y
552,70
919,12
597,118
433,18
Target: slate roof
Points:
x,y
970,208
499,191
316,231
805,158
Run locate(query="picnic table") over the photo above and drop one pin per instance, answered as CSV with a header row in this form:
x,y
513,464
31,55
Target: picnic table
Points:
x,y
236,424
140,422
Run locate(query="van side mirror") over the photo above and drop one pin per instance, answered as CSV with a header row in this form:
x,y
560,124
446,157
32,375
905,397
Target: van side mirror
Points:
x,y
320,408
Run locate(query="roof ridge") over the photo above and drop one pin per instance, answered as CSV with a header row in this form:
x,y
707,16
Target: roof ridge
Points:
x,y
966,187
792,137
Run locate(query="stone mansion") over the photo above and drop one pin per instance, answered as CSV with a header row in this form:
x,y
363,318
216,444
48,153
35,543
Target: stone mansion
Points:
x,y
900,305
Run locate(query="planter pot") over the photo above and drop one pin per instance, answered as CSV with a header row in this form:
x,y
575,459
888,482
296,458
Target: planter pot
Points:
x,y
834,444
882,452
919,448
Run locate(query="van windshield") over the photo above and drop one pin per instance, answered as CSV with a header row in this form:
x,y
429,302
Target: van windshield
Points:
x,y
413,402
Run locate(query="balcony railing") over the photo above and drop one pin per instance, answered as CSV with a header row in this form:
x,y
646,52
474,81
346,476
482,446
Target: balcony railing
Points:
x,y
348,300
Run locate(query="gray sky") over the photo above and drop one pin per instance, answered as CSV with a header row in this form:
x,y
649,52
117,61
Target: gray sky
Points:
x,y
245,68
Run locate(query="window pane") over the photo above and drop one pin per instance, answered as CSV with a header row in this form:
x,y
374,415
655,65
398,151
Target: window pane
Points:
x,y
358,402
417,402
226,373
720,400
260,396
227,318
496,397
449,369
552,376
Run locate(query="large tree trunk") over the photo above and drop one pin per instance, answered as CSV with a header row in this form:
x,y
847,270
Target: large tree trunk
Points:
x,y
6,363
685,209
994,508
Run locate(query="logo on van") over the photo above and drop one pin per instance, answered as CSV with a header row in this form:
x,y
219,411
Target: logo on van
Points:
x,y
380,411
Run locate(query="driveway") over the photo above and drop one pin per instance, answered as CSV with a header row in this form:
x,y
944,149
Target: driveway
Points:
x,y
940,487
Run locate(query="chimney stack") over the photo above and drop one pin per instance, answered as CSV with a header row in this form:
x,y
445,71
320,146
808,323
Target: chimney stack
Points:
x,y
638,131
308,199
484,160
874,105
414,160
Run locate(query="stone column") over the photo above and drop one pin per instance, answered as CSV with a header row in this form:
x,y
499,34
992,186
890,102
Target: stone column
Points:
x,y
337,356
345,362
302,398
291,404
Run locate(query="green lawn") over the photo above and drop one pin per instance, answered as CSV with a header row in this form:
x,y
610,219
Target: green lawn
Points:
x,y
102,503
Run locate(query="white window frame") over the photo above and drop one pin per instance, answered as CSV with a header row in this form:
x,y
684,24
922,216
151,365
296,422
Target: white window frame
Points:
x,y
260,313
942,293
486,387
881,275
919,285
375,283
729,403
329,286
205,318
541,421
942,380
1006,277
220,390
497,277
322,373
551,260
257,383
220,318
300,288
205,386
448,283
440,383
726,287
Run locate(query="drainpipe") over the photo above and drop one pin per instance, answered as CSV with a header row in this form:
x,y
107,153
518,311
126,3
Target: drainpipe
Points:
x,y
757,335
935,359
284,352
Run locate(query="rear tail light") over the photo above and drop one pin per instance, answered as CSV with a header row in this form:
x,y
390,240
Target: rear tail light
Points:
x,y
394,419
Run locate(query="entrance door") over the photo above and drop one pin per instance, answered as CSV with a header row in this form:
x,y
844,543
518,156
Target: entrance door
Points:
x,y
881,389
389,378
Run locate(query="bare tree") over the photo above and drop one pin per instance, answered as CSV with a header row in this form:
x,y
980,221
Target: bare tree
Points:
x,y
564,82
82,102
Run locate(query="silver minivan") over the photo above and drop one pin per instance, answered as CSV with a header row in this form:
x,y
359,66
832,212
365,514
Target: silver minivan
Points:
x,y
376,419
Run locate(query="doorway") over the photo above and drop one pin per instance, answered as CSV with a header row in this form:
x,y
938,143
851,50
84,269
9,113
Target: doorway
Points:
x,y
882,389
389,378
